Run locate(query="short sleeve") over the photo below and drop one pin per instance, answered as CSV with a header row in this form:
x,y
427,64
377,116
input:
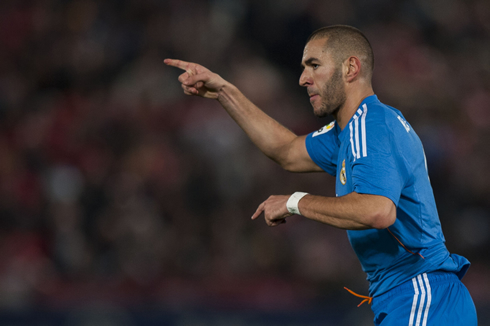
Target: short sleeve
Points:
x,y
377,169
323,147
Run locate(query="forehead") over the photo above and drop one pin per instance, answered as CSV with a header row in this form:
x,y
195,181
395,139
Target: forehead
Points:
x,y
315,49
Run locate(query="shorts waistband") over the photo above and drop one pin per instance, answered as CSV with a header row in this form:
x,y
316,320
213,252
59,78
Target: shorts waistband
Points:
x,y
434,278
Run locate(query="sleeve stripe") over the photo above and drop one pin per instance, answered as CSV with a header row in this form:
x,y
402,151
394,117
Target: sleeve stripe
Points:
x,y
363,130
355,143
354,154
356,123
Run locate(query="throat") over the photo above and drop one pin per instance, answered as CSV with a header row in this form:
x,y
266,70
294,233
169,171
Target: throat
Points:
x,y
342,118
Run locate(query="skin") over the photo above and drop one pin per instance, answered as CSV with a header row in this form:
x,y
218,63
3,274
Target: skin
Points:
x,y
335,89
331,95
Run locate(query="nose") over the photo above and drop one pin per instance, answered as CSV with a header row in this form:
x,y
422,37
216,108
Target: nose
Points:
x,y
305,79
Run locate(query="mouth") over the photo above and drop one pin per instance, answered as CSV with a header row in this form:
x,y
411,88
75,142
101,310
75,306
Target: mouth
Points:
x,y
313,97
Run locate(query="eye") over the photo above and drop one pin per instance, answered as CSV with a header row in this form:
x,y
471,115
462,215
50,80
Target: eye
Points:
x,y
315,66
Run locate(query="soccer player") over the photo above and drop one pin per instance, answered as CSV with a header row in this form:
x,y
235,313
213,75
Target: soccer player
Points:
x,y
384,197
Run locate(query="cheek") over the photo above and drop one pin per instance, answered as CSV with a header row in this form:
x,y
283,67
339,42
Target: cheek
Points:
x,y
324,79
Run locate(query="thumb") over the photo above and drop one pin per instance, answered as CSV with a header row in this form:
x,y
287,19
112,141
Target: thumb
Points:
x,y
193,80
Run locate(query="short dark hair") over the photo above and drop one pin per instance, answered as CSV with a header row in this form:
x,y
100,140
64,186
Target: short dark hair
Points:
x,y
344,41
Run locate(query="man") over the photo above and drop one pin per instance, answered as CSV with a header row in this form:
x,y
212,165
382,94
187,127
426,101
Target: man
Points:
x,y
384,197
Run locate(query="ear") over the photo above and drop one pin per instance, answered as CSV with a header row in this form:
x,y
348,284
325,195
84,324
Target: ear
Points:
x,y
352,68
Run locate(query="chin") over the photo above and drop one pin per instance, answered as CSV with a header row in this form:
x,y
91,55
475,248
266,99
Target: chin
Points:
x,y
320,114
324,111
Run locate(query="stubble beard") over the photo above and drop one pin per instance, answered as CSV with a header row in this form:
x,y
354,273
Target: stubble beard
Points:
x,y
333,95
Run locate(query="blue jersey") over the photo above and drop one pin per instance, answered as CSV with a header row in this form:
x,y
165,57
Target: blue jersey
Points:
x,y
379,153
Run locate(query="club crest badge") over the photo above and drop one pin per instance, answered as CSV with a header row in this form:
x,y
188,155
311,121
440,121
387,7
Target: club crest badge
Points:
x,y
342,176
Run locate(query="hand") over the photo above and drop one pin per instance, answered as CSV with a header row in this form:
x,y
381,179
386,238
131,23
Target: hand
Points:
x,y
275,210
197,80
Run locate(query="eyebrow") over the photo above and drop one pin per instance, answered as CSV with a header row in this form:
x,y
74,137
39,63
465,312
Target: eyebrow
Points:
x,y
308,62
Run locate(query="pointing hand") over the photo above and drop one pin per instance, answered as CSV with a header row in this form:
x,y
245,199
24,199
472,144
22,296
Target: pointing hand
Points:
x,y
197,80
274,209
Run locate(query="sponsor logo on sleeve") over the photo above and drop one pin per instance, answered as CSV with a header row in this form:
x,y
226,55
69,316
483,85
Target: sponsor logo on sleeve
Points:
x,y
324,129
404,123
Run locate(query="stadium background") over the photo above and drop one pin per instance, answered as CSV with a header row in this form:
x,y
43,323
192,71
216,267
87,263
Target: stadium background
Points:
x,y
124,202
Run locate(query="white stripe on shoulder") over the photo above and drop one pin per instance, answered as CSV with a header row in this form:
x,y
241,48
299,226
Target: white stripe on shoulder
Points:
x,y
422,300
363,131
429,299
352,142
358,147
414,302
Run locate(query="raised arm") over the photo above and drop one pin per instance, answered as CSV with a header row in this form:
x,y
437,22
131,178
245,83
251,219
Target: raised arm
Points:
x,y
273,139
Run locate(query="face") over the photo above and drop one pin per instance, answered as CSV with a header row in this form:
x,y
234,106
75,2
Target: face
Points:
x,y
322,78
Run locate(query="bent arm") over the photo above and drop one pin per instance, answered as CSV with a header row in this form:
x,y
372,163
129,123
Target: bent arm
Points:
x,y
353,211
273,139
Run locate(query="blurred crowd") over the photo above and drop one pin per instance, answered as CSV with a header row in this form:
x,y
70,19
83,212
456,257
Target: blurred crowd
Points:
x,y
115,186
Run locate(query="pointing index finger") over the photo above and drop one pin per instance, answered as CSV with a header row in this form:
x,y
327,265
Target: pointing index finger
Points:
x,y
177,63
259,211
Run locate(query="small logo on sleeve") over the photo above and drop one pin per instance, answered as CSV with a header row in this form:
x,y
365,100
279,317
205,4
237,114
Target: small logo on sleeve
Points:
x,y
342,176
324,129
404,123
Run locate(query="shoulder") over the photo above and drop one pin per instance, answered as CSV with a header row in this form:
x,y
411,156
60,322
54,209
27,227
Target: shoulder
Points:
x,y
371,119
383,119
326,135
323,140
329,130
374,128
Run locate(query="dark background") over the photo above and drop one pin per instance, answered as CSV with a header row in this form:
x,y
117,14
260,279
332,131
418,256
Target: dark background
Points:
x,y
125,202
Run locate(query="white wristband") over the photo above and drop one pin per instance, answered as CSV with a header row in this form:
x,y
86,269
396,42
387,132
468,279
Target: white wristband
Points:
x,y
292,204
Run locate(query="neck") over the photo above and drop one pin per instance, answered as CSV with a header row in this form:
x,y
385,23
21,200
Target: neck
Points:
x,y
352,102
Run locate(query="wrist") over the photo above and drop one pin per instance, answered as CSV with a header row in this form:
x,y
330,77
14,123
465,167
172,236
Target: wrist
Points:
x,y
226,92
293,201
